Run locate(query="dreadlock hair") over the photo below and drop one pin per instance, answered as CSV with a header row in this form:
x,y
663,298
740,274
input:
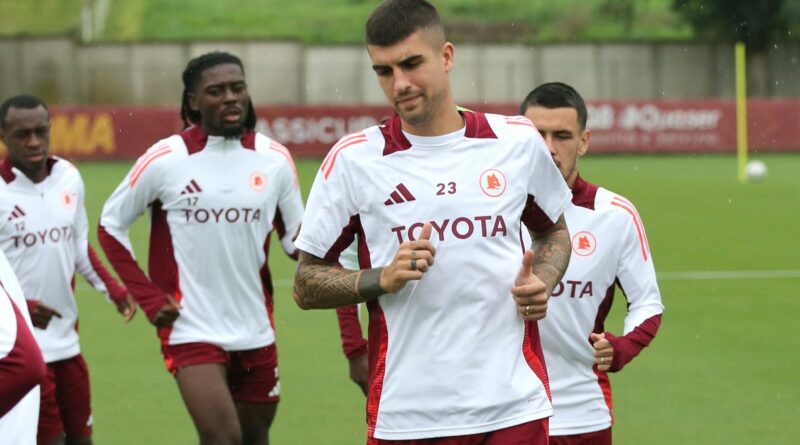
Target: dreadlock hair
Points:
x,y
24,101
191,75
556,95
394,20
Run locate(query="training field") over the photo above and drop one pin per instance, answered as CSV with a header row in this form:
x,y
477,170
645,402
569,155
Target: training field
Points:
x,y
723,369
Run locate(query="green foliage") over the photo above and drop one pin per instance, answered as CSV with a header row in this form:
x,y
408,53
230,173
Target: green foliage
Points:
x,y
755,22
722,369
39,17
342,21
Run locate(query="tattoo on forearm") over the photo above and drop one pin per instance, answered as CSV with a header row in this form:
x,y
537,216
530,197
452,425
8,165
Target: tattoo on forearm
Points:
x,y
320,285
553,251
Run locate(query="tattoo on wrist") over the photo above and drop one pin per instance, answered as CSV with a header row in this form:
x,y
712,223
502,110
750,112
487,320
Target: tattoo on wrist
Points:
x,y
369,284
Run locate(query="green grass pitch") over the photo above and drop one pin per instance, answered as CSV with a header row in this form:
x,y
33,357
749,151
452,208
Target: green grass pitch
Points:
x,y
723,369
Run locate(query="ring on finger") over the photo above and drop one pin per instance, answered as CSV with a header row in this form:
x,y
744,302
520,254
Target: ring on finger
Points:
x,y
413,264
527,310
602,359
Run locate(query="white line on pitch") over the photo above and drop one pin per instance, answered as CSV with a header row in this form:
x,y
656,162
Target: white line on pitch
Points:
x,y
728,275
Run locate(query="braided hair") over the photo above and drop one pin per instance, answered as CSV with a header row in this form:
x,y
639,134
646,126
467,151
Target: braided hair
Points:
x,y
191,75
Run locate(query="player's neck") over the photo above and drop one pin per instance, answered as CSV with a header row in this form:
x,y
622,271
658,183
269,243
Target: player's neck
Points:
x,y
36,175
446,120
233,135
572,178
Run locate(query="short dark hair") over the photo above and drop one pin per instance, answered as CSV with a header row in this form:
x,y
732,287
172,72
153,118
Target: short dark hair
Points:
x,y
556,95
394,20
191,75
26,101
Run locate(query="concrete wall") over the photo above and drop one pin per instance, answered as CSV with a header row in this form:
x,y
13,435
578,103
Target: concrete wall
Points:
x,y
334,74
785,69
63,71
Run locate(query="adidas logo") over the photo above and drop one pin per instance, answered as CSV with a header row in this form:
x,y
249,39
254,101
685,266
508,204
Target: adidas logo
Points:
x,y
193,187
275,391
401,197
16,213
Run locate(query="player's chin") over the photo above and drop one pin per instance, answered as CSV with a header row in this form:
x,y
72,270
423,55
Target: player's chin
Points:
x,y
232,131
413,117
35,162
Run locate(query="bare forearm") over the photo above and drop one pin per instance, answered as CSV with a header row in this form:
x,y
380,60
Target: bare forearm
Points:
x,y
320,285
553,251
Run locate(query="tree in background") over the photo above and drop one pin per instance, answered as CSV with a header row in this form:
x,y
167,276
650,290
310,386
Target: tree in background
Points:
x,y
623,10
757,23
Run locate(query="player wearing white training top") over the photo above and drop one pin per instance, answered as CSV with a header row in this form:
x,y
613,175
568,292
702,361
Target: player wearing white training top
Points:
x,y
22,368
216,192
44,234
609,249
436,200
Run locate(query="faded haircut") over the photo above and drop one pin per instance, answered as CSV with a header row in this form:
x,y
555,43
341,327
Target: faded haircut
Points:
x,y
395,20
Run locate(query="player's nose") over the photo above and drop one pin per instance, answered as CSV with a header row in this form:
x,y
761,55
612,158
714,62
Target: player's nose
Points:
x,y
34,141
548,140
402,82
229,95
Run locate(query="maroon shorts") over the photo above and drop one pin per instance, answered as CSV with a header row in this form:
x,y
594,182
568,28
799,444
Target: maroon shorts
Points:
x,y
531,433
602,437
65,403
252,374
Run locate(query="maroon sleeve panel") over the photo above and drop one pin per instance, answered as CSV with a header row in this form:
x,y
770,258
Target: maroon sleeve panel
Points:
x,y
149,296
116,291
31,305
534,217
23,368
353,341
628,346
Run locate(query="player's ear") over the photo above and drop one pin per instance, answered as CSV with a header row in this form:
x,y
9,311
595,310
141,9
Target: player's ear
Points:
x,y
193,102
448,55
586,135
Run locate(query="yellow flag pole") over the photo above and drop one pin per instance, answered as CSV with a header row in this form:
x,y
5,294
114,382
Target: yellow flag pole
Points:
x,y
741,111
